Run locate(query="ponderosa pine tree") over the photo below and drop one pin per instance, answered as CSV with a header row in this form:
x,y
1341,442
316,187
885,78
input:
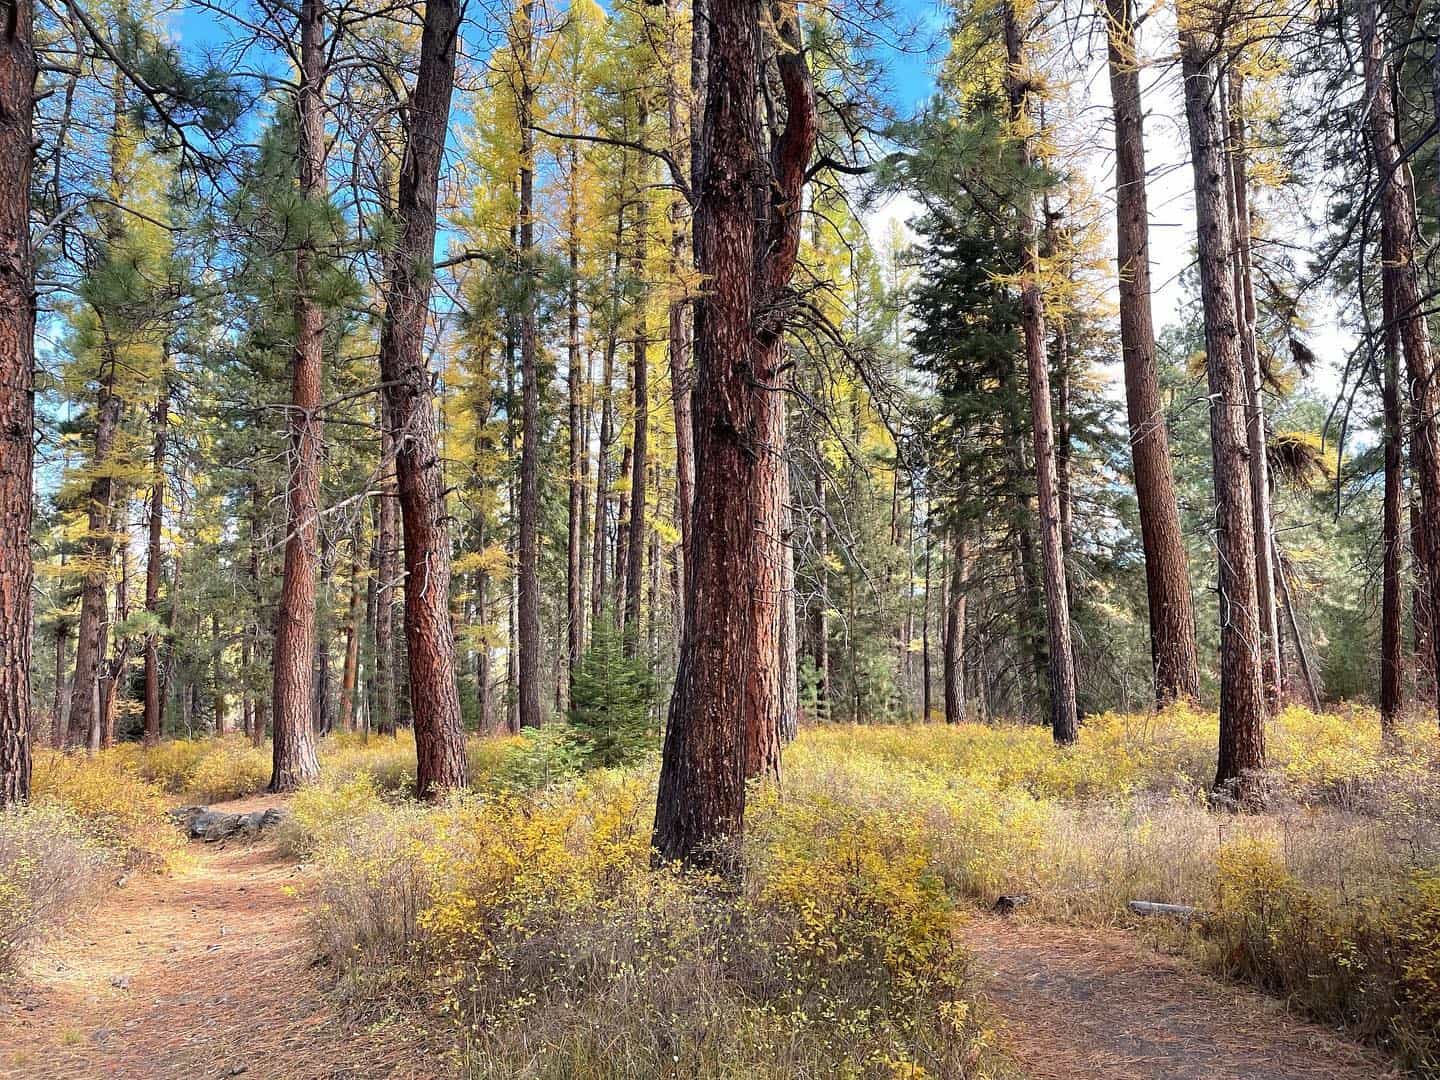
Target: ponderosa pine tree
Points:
x,y
429,637
17,404
293,746
1242,697
746,237
1064,720
1167,576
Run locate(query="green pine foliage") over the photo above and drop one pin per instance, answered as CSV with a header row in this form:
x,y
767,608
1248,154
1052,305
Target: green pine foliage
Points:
x,y
610,710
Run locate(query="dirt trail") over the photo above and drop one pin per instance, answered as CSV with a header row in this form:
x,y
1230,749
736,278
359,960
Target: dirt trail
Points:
x,y
205,973
1099,1005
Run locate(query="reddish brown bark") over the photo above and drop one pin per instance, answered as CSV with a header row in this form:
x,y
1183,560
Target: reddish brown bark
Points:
x,y
1242,699
17,401
294,763
430,641
1167,576
746,240
1064,721
1391,660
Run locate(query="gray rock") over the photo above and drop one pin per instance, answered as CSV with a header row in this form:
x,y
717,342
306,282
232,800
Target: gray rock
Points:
x,y
202,823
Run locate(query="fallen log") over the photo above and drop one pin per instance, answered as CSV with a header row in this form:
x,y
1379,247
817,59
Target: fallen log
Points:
x,y
202,823
1182,912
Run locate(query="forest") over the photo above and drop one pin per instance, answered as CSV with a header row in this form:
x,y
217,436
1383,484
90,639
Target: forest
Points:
x,y
720,538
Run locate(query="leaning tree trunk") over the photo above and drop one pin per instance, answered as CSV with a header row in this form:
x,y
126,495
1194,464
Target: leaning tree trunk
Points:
x,y
430,639
293,752
17,400
1397,242
1242,697
1061,659
746,230
1167,576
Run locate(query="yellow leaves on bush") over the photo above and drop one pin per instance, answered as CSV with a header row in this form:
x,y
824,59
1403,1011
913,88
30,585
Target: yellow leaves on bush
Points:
x,y
119,810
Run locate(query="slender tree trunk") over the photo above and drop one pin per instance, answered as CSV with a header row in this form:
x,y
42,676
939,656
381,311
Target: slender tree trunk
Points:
x,y
430,640
293,752
349,679
1265,572
17,401
1397,241
574,583
599,558
679,315
62,642
640,423
820,613
746,241
529,613
154,700
99,549
955,631
1063,710
261,706
622,535
1391,661
1242,698
1167,577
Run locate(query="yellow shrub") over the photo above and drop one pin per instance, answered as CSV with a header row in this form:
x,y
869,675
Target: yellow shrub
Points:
x,y
1417,920
119,810
230,770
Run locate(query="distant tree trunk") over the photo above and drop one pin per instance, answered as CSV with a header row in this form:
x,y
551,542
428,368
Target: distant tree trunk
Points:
x,y
1242,697
349,679
820,612
1061,663
1397,241
599,584
955,630
99,550
679,315
62,642
746,241
293,752
261,707
154,699
430,641
529,614
1423,641
1167,577
622,535
574,577
1265,571
1391,661
640,423
925,632
17,401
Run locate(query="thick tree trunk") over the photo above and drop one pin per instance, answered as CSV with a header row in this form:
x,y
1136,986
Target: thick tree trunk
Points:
x,y
529,569
1064,721
154,699
17,400
1242,698
1391,621
746,241
955,631
430,639
293,752
1167,576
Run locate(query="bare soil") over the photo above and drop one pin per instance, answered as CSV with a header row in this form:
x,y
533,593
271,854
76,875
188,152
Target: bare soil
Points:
x,y
207,972
1100,1005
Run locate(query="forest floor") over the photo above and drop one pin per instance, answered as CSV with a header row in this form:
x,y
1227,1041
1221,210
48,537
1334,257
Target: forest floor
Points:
x,y
209,973
1101,1005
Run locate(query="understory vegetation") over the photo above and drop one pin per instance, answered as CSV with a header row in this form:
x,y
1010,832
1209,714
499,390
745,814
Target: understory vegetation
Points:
x,y
526,909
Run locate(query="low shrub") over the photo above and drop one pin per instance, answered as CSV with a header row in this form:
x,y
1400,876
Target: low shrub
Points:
x,y
49,868
115,807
